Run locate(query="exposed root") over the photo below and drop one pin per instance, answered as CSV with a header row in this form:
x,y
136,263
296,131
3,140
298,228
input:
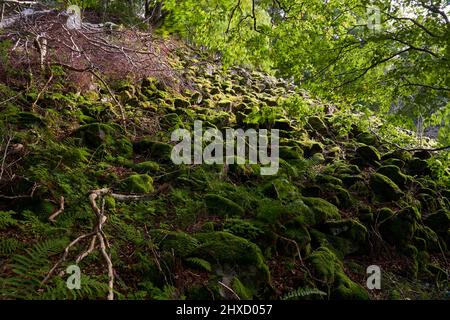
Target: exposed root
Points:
x,y
53,217
96,235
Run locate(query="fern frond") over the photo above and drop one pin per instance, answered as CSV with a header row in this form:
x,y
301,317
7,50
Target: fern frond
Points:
x,y
200,263
302,293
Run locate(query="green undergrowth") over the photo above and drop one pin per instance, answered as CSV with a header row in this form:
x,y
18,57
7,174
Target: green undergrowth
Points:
x,y
343,199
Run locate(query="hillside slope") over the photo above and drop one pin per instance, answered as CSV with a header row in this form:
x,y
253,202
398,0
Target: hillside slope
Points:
x,y
342,200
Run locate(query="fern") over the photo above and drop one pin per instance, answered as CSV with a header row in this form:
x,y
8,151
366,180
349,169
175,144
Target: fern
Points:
x,y
200,263
9,246
28,270
302,293
6,219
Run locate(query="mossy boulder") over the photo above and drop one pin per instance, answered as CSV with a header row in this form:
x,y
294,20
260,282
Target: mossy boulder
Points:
x,y
324,265
418,167
368,153
317,125
438,221
327,267
180,243
402,155
221,206
384,188
156,149
367,138
394,162
290,153
346,289
180,103
225,249
108,136
147,167
321,209
310,147
350,229
138,183
400,228
394,173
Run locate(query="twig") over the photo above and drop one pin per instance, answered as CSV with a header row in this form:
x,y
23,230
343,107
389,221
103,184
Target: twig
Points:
x,y
231,290
5,154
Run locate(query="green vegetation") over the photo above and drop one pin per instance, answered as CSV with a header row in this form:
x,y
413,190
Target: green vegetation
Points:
x,y
92,156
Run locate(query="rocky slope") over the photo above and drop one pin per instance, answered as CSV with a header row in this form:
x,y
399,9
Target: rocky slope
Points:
x,y
343,200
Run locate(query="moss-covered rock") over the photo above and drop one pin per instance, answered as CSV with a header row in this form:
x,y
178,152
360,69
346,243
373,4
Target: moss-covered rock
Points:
x,y
157,150
400,228
368,153
223,248
180,103
180,243
108,136
218,205
347,289
290,153
394,173
149,167
384,188
317,124
322,209
418,167
138,183
350,229
439,221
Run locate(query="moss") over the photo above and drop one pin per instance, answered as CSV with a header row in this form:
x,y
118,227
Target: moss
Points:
x,y
147,167
324,265
439,221
324,178
400,228
365,214
180,243
350,179
180,103
95,135
225,104
394,162
310,147
28,120
398,154
350,229
157,150
418,167
280,188
317,124
343,199
368,153
138,183
384,214
384,188
224,248
243,228
322,209
243,292
290,153
218,205
394,173
367,138
298,232
346,289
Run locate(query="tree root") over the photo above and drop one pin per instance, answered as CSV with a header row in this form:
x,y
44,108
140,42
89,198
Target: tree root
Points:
x,y
96,235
